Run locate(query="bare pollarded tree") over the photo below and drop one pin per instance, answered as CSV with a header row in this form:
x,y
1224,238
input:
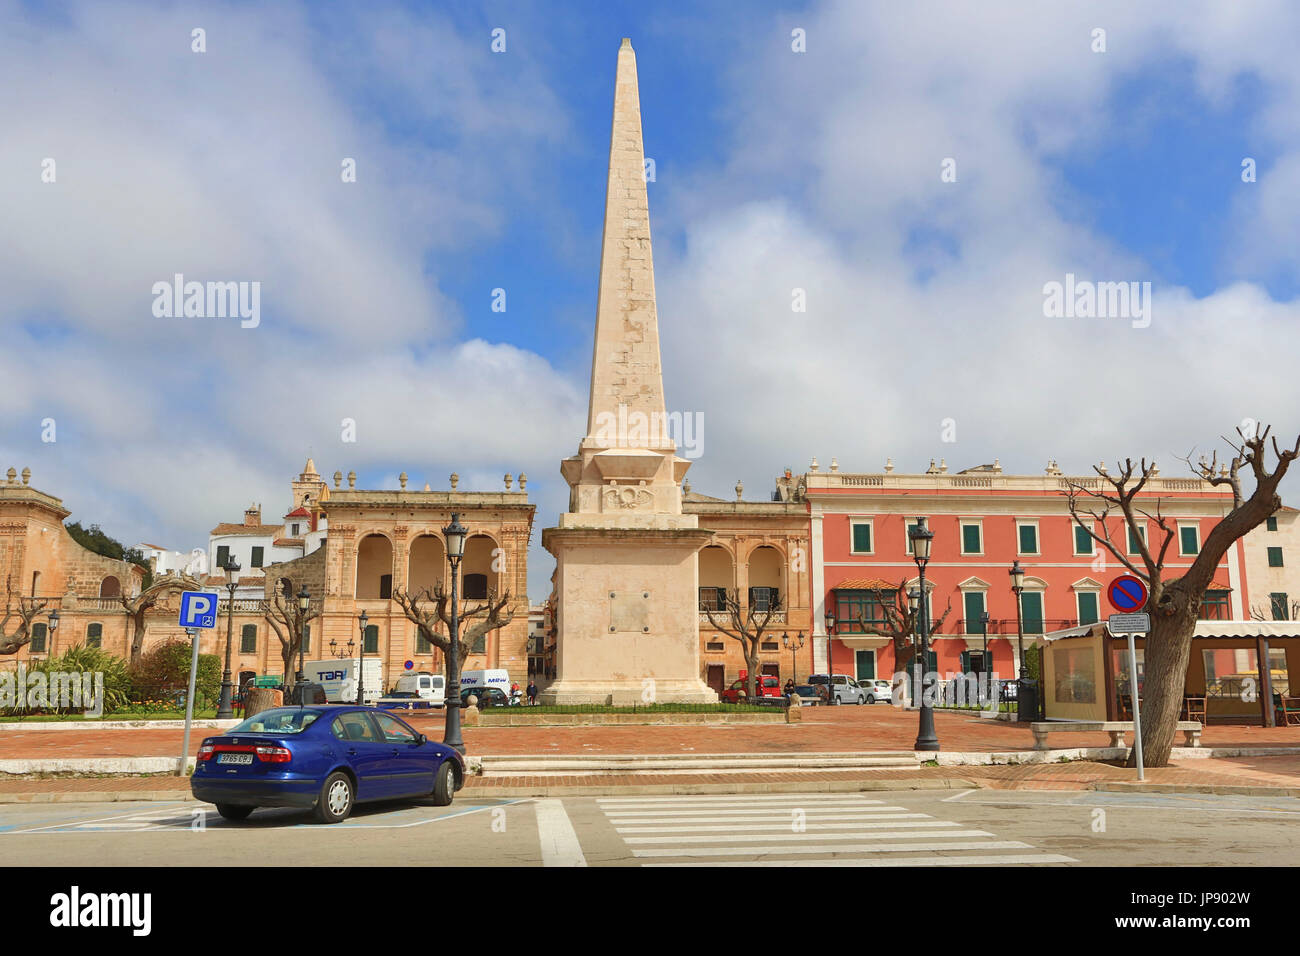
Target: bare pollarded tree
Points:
x,y
137,607
746,624
1174,605
431,607
25,609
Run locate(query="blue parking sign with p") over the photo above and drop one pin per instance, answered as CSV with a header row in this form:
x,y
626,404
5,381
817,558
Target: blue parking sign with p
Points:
x,y
198,609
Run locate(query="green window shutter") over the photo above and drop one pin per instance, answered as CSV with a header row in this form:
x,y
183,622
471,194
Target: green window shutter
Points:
x,y
372,638
1082,541
970,539
862,537
1187,541
1031,612
223,555
39,632
1088,613
973,606
1028,539
909,525
1133,546
95,635
256,560
248,639
1275,557
422,645
1270,524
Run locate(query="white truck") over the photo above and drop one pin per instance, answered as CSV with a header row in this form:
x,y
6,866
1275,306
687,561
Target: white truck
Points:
x,y
496,677
339,678
424,686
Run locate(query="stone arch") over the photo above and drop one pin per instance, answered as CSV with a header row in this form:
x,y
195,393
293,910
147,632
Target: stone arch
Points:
x,y
478,572
717,573
766,576
110,587
374,567
425,563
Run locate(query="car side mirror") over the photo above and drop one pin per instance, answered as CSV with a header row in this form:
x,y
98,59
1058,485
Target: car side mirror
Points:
x,y
421,739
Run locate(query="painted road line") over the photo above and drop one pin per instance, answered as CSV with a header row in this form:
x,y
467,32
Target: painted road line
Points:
x,y
734,798
73,822
899,820
958,796
741,838
560,846
749,812
842,848
785,818
1021,859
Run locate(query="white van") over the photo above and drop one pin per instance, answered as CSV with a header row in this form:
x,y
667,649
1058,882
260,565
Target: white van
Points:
x,y
497,677
425,686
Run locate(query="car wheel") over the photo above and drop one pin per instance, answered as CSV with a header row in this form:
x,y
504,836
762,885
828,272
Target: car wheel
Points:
x,y
870,699
231,812
444,785
335,802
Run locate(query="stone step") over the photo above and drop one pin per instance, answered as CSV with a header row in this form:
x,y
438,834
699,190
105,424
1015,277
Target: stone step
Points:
x,y
659,763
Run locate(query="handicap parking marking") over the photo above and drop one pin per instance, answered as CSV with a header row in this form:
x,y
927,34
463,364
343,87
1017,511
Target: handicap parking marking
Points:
x,y
116,821
446,813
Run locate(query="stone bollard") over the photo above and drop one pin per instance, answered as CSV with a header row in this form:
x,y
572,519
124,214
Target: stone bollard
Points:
x,y
258,699
469,713
794,710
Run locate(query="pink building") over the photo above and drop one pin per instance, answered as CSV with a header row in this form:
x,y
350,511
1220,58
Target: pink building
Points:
x,y
983,521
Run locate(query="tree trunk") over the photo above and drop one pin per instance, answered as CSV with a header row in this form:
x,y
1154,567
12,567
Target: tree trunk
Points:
x,y
752,665
137,639
258,699
1168,648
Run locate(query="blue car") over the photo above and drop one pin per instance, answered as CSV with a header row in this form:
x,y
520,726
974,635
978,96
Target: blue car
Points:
x,y
323,758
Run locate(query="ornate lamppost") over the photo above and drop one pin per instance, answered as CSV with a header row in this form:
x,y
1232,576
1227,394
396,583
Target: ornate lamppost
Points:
x,y
922,537
988,665
54,626
362,619
793,645
455,534
304,604
830,669
224,708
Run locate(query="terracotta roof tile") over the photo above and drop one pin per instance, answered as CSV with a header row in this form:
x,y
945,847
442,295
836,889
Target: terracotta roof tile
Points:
x,y
258,529
866,584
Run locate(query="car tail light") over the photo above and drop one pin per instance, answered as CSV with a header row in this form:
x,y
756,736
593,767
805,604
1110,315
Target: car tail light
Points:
x,y
205,752
273,754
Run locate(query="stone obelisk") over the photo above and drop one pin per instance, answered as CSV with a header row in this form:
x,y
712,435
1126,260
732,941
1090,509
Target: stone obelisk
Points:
x,y
626,577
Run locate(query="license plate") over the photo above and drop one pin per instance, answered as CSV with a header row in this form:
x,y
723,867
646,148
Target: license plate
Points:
x,y
235,758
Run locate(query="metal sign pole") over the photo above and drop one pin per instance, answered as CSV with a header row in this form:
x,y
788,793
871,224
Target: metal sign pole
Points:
x,y
193,632
1137,711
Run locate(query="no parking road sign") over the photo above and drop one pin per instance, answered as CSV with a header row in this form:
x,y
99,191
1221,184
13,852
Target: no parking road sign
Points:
x,y
1127,593
198,609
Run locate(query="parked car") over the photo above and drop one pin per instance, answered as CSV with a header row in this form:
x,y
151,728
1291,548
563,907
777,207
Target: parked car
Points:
x,y
846,689
326,758
764,686
487,696
404,700
430,687
877,690
810,696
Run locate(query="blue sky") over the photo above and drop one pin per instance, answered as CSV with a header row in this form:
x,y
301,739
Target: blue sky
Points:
x,y
775,170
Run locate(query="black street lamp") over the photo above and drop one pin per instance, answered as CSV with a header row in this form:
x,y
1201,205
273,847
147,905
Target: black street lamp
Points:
x,y
1017,574
304,604
830,667
455,534
346,652
362,618
922,537
54,626
793,645
225,709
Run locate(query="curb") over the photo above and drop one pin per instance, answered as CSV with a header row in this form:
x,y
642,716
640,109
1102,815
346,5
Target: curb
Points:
x,y
16,726
1221,790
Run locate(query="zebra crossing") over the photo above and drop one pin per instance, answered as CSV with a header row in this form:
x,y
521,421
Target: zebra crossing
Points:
x,y
803,830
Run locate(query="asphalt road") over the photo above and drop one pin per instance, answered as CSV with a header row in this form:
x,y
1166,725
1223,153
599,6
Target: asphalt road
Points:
x,y
891,828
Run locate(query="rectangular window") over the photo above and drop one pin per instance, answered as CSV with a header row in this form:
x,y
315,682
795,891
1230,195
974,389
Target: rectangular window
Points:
x,y
1088,607
95,635
1189,539
293,531
1133,547
973,607
39,631
1075,675
970,539
1275,557
1031,611
1082,540
861,537
248,639
713,599
372,638
760,599
1281,608
1270,524
257,557
223,555
1028,538
422,645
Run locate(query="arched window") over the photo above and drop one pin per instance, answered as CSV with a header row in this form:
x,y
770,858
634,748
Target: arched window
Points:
x,y
374,567
95,635
110,587
248,639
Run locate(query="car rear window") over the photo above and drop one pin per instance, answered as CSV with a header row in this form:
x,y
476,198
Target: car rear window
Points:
x,y
283,720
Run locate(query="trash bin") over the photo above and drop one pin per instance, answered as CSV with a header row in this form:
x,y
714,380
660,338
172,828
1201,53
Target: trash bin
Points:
x,y
1027,700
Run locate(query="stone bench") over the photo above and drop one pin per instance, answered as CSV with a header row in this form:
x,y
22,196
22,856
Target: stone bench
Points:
x,y
1117,729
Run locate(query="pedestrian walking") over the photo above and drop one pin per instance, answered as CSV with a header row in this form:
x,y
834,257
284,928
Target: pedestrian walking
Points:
x,y
532,693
